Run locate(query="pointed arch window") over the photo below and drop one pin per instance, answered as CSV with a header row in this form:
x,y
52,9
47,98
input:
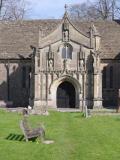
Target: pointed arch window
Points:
x,y
67,51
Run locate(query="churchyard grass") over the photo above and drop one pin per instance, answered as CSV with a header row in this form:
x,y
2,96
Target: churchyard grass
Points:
x,y
75,138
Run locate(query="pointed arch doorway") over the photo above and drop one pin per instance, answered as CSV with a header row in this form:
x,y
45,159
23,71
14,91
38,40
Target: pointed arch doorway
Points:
x,y
66,95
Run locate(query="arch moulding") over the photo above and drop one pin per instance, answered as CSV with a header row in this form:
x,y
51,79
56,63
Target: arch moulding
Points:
x,y
57,82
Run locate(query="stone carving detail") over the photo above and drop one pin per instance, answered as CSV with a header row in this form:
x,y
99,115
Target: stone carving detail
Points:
x,y
51,64
65,30
81,65
65,36
65,64
81,60
96,64
50,59
38,56
97,61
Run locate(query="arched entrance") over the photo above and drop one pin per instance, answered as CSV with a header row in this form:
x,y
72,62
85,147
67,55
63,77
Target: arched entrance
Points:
x,y
66,95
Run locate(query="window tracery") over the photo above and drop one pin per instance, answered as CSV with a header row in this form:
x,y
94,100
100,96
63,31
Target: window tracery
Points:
x,y
67,51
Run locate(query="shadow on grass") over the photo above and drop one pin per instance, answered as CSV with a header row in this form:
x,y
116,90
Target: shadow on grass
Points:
x,y
15,137
18,137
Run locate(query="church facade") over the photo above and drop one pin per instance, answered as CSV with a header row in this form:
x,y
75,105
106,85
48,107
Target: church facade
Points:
x,y
59,64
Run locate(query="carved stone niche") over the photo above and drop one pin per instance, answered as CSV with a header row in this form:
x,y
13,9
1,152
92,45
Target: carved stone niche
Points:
x,y
50,59
81,59
65,30
96,63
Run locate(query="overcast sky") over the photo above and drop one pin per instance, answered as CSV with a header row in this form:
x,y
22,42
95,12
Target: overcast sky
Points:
x,y
49,8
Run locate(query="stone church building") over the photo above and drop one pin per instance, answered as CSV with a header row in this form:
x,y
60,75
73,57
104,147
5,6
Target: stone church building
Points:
x,y
59,63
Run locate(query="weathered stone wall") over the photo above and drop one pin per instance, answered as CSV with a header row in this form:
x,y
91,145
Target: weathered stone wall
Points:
x,y
14,91
3,84
48,78
110,93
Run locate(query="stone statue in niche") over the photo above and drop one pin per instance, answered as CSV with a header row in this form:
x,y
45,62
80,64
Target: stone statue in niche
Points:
x,y
66,36
81,65
50,59
66,31
81,59
50,64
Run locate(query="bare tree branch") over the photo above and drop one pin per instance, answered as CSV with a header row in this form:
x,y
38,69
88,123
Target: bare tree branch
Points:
x,y
99,9
13,9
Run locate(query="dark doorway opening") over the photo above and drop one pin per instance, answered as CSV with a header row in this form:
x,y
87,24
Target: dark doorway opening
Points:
x,y
66,95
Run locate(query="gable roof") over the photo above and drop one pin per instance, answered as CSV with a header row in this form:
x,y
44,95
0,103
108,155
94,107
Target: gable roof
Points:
x,y
110,36
17,37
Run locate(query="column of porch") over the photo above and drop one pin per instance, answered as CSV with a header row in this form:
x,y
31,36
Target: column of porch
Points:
x,y
97,101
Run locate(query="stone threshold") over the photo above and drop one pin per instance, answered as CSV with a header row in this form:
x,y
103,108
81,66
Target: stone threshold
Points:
x,y
68,110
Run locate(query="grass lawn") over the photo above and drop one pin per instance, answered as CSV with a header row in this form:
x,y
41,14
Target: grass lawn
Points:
x,y
76,138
